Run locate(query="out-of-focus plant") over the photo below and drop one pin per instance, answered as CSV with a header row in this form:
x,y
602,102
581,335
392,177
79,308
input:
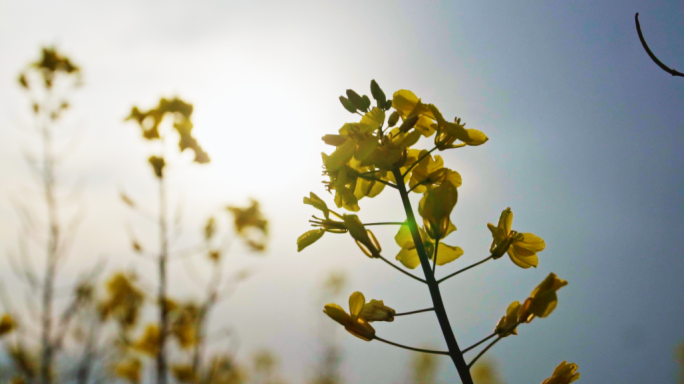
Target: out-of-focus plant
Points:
x,y
423,368
377,153
46,239
486,372
679,358
265,369
186,322
150,123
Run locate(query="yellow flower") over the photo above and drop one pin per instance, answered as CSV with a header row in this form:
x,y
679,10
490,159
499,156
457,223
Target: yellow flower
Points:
x,y
181,113
435,208
124,300
543,299
522,248
408,255
508,324
149,341
183,324
349,223
563,374
129,370
158,165
364,237
23,360
353,322
486,372
375,310
430,171
448,133
250,225
184,373
249,217
6,324
408,105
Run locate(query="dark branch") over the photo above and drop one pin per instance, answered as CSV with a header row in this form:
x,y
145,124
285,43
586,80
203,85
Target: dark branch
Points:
x,y
653,57
411,348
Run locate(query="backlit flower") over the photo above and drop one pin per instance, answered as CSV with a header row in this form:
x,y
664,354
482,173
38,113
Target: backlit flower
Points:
x,y
543,299
352,322
508,324
522,248
563,374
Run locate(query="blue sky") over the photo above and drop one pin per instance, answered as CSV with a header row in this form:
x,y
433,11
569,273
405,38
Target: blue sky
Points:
x,y
585,146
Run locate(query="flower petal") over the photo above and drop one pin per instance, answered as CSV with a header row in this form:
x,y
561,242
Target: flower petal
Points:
x,y
531,242
337,313
356,302
522,260
447,253
309,238
409,257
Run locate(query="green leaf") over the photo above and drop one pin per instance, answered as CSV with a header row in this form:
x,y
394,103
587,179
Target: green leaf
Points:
x,y
356,100
317,203
393,119
309,238
366,102
378,94
347,104
409,123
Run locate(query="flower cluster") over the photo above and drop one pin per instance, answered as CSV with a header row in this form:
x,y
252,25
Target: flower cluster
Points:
x,y
378,152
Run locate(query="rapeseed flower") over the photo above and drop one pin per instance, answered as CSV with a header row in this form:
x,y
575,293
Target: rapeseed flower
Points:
x,y
522,248
508,324
129,370
6,324
563,374
360,314
543,299
408,255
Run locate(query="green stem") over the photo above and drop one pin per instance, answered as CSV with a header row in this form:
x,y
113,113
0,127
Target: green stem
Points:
x,y
401,270
484,350
478,343
418,161
417,185
411,348
387,183
434,261
384,223
414,312
463,270
440,311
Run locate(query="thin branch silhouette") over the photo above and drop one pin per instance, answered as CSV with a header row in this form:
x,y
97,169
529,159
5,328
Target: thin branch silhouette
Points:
x,y
653,57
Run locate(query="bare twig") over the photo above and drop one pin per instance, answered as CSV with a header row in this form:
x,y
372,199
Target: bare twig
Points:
x,y
653,57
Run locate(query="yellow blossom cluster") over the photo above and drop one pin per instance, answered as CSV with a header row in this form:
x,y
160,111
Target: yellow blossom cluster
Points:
x,y
378,152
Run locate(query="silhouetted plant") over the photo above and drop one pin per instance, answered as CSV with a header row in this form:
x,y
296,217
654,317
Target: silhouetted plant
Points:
x,y
186,322
49,82
653,57
149,122
377,153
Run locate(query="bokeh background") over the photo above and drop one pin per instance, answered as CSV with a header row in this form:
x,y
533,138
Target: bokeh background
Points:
x,y
586,141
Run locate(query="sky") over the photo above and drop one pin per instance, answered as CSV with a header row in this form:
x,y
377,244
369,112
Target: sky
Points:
x,y
585,147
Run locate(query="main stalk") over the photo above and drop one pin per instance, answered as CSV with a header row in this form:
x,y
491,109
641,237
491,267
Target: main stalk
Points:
x,y
449,337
